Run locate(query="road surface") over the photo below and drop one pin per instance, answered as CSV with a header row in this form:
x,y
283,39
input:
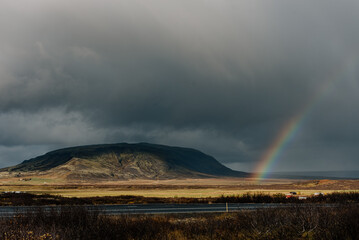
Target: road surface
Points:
x,y
8,211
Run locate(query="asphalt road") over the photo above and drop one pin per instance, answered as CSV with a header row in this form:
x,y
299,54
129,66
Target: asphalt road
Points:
x,y
8,211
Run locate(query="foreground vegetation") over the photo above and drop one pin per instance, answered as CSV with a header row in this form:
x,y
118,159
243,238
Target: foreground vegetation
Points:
x,y
304,222
26,199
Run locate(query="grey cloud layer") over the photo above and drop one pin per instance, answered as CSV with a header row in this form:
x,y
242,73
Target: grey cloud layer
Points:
x,y
222,76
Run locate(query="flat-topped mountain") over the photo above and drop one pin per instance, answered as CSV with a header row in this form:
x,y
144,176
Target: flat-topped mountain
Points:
x,y
125,161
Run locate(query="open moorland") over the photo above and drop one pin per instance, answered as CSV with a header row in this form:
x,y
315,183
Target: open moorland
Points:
x,y
148,170
193,188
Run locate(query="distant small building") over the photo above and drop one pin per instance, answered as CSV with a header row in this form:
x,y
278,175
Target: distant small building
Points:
x,y
288,195
12,192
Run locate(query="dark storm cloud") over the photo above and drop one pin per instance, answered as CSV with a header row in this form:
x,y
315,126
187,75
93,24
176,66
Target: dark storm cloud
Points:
x,y
219,76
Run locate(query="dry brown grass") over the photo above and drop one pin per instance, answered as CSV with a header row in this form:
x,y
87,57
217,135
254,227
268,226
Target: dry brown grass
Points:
x,y
174,188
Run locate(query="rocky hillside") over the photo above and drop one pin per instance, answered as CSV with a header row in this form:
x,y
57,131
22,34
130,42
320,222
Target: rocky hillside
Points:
x,y
125,161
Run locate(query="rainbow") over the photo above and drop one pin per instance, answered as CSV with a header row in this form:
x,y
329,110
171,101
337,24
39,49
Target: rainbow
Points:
x,y
288,132
268,159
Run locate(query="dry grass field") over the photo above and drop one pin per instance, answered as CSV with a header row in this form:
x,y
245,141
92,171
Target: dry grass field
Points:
x,y
173,188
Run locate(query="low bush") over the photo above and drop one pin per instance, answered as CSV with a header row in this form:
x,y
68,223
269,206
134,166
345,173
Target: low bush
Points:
x,y
294,222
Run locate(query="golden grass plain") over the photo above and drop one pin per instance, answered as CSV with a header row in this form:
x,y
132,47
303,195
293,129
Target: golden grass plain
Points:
x,y
198,188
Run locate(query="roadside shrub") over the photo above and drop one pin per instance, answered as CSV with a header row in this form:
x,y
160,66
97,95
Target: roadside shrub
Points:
x,y
292,222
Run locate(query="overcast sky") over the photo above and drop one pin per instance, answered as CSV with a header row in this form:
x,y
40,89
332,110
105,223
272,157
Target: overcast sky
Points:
x,y
223,77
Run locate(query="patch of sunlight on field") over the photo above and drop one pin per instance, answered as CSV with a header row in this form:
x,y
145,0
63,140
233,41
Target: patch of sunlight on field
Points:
x,y
196,193
170,188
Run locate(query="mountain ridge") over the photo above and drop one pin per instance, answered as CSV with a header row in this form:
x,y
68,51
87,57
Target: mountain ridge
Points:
x,y
125,161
